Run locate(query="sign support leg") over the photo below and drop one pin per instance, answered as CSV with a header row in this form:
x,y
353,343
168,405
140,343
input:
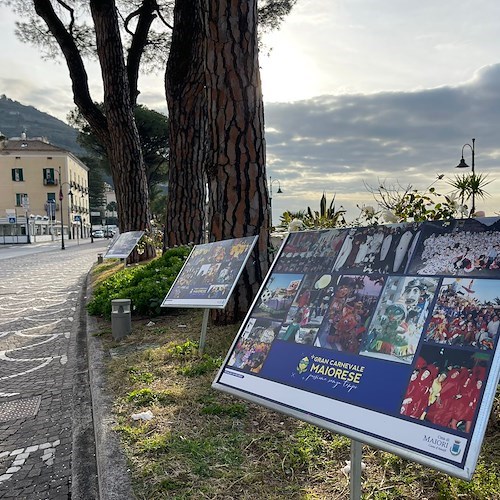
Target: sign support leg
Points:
x,y
203,335
355,472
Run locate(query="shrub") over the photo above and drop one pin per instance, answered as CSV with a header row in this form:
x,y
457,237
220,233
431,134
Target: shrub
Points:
x,y
145,285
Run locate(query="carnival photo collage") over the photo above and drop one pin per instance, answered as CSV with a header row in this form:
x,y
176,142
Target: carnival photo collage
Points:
x,y
211,269
426,295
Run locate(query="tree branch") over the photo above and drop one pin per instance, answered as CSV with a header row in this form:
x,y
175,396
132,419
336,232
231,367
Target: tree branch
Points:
x,y
71,13
77,71
139,42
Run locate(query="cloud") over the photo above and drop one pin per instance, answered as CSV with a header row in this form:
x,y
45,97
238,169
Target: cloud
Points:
x,y
337,143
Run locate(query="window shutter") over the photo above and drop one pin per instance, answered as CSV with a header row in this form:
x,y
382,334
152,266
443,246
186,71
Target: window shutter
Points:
x,y
17,174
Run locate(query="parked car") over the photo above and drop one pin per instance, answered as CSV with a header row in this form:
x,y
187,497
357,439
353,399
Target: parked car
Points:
x,y
109,233
98,233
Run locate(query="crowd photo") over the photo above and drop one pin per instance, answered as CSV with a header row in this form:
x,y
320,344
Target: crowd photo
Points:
x,y
465,248
466,313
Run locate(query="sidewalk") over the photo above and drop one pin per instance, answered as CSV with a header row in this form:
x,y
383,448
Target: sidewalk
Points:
x,y
18,250
113,475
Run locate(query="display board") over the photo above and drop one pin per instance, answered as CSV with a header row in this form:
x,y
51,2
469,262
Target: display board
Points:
x,y
210,274
386,334
122,246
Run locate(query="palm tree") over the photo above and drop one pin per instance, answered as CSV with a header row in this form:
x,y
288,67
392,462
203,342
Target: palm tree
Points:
x,y
470,186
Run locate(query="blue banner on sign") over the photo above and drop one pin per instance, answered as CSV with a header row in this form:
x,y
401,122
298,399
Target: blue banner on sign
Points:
x,y
345,377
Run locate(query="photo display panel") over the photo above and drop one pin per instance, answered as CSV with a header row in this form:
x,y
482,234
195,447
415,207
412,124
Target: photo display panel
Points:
x,y
386,334
122,246
210,274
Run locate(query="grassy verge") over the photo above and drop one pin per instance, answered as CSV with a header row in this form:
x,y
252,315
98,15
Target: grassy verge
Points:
x,y
205,444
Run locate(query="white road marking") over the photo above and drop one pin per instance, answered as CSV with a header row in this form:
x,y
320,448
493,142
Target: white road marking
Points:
x,y
20,455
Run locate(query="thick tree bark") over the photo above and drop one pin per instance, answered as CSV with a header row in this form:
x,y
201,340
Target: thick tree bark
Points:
x,y
239,202
123,145
115,128
186,98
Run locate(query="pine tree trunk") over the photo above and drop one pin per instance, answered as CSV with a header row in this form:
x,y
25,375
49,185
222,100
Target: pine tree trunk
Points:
x,y
239,203
186,98
122,143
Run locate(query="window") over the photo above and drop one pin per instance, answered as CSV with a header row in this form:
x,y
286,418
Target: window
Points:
x,y
17,174
51,206
49,177
21,199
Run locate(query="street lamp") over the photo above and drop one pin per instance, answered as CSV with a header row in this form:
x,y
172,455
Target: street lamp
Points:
x,y
462,164
70,194
70,209
61,200
271,181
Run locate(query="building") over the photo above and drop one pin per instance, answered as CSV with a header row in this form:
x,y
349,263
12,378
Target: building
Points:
x,y
45,185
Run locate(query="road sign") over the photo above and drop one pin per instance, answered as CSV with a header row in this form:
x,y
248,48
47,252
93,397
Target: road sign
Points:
x,y
78,218
12,219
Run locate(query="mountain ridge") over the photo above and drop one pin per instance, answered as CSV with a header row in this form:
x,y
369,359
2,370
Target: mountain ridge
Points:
x,y
16,118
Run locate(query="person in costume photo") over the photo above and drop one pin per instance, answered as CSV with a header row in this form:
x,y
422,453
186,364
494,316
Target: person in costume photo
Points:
x,y
353,299
254,345
445,387
291,332
417,394
397,324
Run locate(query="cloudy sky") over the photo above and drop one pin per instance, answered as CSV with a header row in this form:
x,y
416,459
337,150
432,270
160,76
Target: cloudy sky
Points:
x,y
357,92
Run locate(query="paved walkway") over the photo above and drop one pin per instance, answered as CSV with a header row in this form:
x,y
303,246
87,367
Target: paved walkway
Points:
x,y
46,429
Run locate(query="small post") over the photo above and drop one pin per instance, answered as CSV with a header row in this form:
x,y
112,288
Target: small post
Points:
x,y
203,335
355,471
121,321
61,197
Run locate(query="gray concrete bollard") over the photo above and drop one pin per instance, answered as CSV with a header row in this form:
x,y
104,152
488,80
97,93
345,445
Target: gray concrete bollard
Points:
x,y
121,318
100,258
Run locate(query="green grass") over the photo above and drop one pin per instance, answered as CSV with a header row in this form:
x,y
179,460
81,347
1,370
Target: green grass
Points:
x,y
147,397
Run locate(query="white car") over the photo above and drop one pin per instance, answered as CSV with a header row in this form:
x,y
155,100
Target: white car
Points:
x,y
98,233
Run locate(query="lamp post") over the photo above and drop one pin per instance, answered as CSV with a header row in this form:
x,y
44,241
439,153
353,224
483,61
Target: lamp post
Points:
x,y
26,206
70,194
462,164
70,206
271,181
61,197
61,200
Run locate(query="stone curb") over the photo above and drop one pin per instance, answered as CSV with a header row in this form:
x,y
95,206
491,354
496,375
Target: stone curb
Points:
x,y
112,470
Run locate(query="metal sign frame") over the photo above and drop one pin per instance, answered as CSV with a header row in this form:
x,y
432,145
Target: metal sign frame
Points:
x,y
122,247
303,379
210,273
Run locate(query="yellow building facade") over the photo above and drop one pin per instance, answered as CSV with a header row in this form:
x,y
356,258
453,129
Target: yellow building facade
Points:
x,y
45,185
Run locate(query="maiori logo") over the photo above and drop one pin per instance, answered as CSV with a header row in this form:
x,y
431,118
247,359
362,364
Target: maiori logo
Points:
x,y
303,364
455,449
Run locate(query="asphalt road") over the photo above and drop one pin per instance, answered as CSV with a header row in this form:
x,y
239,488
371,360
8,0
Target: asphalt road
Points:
x,y
46,428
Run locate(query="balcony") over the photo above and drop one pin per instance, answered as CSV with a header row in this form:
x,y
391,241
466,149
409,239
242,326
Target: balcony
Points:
x,y
50,182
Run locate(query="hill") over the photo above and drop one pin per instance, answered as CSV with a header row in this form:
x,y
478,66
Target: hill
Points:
x,y
16,118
